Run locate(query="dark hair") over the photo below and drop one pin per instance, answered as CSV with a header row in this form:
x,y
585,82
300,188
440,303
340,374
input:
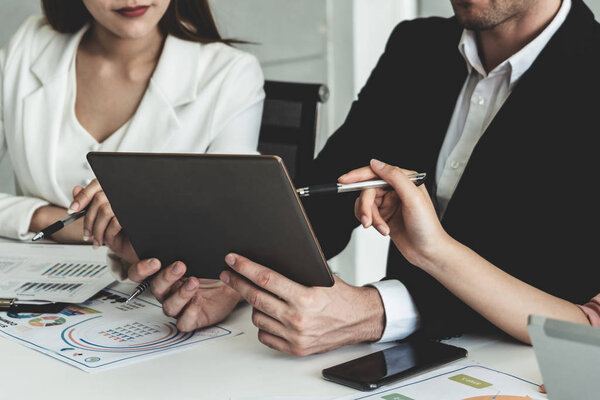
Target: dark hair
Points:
x,y
186,19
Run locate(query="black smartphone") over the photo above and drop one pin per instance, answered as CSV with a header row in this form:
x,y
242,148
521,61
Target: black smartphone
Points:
x,y
395,363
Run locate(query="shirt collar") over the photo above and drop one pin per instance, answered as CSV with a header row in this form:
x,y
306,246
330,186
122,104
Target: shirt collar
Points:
x,y
519,62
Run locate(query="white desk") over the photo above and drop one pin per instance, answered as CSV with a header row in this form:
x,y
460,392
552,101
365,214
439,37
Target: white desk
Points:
x,y
238,366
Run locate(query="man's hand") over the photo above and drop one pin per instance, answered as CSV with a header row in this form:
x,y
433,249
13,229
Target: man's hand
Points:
x,y
196,303
304,320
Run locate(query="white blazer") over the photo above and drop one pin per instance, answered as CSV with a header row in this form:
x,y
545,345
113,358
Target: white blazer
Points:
x,y
201,98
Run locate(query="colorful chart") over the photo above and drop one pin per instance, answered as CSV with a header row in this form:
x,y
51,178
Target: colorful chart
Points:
x,y
79,270
22,315
46,321
73,309
123,336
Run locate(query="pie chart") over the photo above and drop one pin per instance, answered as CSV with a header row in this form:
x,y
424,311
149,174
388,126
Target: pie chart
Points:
x,y
50,320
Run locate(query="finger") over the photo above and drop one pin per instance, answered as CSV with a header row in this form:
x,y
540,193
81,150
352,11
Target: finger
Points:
x,y
277,343
142,269
265,278
378,222
174,304
161,284
542,388
192,318
112,231
85,196
103,218
268,324
397,178
91,215
357,175
365,207
175,287
76,190
255,296
389,205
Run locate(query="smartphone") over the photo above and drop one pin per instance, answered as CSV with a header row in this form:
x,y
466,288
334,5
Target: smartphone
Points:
x,y
395,363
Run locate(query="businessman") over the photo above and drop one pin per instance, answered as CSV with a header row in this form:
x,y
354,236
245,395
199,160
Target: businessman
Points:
x,y
498,105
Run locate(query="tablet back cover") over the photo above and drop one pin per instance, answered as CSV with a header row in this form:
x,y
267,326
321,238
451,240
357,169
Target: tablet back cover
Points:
x,y
197,208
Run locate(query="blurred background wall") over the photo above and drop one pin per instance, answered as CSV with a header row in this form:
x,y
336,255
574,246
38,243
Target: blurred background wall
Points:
x,y
336,42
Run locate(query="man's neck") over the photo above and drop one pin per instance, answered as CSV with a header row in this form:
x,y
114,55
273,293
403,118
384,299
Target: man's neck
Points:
x,y
501,42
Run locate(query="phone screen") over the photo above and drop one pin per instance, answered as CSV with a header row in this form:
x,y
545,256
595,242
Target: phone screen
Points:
x,y
401,361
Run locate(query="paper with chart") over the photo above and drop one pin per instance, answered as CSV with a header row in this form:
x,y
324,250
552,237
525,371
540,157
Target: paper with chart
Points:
x,y
462,380
105,332
52,272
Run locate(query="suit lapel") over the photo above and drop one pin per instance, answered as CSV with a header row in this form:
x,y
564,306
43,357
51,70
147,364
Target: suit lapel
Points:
x,y
41,121
532,102
173,84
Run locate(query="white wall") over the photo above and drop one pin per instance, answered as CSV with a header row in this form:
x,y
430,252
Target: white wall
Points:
x,y
12,14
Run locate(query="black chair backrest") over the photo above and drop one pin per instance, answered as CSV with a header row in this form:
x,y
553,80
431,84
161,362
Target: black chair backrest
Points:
x,y
290,121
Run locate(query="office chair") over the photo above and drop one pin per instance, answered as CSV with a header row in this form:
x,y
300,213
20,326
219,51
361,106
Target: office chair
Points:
x,y
290,121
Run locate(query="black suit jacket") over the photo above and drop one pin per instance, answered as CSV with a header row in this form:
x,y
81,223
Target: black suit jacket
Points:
x,y
526,201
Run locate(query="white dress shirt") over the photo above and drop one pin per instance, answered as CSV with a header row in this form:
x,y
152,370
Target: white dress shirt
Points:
x,y
201,98
482,95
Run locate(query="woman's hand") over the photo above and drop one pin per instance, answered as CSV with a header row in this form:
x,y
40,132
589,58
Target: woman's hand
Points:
x,y
406,213
195,303
47,215
100,224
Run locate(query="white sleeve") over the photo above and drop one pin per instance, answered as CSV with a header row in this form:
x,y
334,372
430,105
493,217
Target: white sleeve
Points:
x,y
15,211
401,315
239,112
2,138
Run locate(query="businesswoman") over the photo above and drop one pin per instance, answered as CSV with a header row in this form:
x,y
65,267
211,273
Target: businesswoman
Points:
x,y
407,215
116,75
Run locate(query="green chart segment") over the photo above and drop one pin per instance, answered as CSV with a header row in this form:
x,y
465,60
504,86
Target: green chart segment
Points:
x,y
395,396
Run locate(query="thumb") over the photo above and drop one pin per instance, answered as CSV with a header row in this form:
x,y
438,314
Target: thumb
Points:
x,y
397,179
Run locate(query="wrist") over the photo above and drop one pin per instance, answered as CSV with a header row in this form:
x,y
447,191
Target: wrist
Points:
x,y
434,261
373,323
41,218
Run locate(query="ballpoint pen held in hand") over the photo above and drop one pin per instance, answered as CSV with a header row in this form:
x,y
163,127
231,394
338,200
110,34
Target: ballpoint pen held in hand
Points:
x,y
330,188
418,179
58,225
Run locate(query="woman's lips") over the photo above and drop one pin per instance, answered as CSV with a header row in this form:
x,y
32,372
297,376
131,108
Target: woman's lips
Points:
x,y
132,12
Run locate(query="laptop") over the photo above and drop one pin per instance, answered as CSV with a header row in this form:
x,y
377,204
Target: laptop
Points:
x,y
568,355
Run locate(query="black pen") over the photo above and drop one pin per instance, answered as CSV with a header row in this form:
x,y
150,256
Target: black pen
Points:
x,y
58,225
330,188
140,288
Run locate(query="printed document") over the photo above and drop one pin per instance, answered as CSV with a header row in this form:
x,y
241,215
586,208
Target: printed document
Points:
x,y
52,272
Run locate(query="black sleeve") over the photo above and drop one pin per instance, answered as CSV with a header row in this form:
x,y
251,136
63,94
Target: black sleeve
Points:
x,y
366,133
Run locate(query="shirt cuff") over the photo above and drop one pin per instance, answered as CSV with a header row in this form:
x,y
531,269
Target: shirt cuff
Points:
x,y
16,214
118,267
401,315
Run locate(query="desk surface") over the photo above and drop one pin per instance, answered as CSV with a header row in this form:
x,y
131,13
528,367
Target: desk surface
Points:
x,y
235,367
239,366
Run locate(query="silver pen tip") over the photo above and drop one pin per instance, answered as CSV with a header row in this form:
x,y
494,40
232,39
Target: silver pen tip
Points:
x,y
131,297
37,236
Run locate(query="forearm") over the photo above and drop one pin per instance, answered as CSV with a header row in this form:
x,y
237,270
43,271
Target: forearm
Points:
x,y
47,215
499,297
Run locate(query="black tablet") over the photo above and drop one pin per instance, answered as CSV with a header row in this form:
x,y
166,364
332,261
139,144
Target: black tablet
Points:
x,y
196,208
